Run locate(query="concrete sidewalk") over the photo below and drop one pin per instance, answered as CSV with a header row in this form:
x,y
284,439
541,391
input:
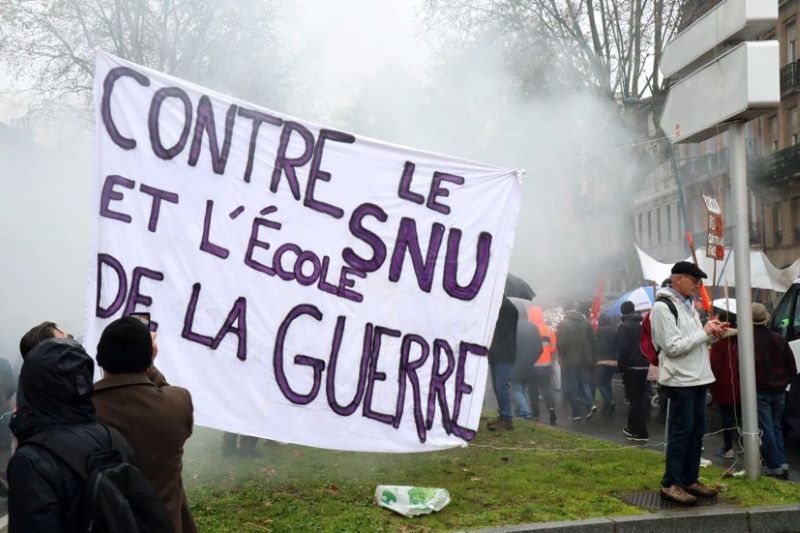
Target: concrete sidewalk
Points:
x,y
782,519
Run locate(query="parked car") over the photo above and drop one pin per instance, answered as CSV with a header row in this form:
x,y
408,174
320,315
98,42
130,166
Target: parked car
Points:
x,y
785,320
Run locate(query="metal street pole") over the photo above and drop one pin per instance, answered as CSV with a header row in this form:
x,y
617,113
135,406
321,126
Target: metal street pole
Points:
x,y
744,303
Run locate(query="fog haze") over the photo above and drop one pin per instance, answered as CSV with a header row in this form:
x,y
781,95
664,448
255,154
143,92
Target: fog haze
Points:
x,y
368,67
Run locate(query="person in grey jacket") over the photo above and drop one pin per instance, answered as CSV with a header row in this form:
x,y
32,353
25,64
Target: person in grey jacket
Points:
x,y
575,341
684,372
523,375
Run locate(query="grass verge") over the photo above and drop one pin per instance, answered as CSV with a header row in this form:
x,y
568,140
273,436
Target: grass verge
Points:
x,y
566,477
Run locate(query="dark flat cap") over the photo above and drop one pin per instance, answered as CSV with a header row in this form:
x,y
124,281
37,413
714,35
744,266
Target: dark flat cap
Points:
x,y
685,267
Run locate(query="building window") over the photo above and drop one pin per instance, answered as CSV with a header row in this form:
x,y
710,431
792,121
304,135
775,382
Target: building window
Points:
x,y
773,133
793,125
649,228
791,42
777,223
755,237
700,221
658,226
669,223
796,218
641,234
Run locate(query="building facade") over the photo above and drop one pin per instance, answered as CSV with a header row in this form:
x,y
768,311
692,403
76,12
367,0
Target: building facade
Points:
x,y
669,203
775,175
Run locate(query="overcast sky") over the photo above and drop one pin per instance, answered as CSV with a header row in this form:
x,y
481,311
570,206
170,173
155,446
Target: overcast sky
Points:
x,y
346,43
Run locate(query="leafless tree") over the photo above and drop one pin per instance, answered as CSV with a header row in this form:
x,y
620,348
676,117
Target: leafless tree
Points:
x,y
49,45
609,46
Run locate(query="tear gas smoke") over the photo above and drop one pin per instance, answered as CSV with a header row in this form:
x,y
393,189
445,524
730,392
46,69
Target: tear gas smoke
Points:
x,y
366,68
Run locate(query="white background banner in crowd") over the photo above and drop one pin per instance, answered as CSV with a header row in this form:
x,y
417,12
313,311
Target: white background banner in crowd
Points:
x,y
763,274
308,285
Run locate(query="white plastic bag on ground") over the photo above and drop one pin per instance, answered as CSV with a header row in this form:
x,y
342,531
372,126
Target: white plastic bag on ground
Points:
x,y
411,501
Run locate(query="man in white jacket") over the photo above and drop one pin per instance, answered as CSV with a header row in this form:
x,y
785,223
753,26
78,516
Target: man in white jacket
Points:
x,y
684,372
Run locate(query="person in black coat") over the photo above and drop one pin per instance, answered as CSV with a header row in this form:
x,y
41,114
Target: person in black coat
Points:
x,y
634,373
502,354
8,387
45,495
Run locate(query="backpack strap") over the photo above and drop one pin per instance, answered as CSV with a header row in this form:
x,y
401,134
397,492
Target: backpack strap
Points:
x,y
670,305
67,446
64,446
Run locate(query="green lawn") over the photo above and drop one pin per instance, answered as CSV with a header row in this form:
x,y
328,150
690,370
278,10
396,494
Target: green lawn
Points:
x,y
294,488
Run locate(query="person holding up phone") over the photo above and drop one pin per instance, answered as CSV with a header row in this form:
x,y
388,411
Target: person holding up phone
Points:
x,y
153,416
684,371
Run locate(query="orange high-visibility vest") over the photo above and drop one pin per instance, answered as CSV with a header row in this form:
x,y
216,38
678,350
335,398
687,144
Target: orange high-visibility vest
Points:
x,y
548,334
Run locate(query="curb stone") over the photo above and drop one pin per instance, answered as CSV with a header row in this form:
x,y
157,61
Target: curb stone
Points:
x,y
775,519
771,519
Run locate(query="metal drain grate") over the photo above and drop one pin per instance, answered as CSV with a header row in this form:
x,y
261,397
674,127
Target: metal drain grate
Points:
x,y
652,501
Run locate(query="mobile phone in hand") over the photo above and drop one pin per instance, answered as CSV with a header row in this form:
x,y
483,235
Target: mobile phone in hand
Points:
x,y
144,317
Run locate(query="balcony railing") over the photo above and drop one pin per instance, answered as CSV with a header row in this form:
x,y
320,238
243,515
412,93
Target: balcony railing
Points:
x,y
710,164
790,78
777,167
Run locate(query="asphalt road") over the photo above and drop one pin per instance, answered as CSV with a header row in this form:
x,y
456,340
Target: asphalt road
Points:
x,y
609,427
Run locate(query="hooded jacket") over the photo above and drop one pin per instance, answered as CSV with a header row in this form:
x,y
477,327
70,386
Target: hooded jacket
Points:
x,y
44,493
683,358
575,340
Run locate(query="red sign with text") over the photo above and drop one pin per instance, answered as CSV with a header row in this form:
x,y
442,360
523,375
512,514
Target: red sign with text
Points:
x,y
715,248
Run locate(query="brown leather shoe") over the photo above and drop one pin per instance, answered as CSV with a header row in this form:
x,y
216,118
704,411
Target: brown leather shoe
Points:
x,y
676,494
500,423
700,490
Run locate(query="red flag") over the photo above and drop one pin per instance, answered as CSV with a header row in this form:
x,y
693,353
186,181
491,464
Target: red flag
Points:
x,y
594,314
704,298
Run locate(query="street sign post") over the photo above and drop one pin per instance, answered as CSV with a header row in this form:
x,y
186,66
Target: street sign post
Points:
x,y
706,38
741,84
724,84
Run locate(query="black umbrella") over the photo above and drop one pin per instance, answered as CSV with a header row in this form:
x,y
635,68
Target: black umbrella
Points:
x,y
517,287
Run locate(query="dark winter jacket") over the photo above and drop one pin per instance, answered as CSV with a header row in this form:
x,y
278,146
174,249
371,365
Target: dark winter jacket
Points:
x,y
575,340
605,346
724,356
775,365
44,493
529,345
504,342
630,334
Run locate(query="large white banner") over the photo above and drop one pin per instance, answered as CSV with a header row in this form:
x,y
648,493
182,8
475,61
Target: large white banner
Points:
x,y
308,285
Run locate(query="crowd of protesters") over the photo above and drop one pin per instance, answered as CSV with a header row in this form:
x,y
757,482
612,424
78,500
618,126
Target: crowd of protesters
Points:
x,y
697,353
67,430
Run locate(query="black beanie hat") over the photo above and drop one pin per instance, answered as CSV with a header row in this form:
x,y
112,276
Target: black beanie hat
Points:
x,y
125,346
